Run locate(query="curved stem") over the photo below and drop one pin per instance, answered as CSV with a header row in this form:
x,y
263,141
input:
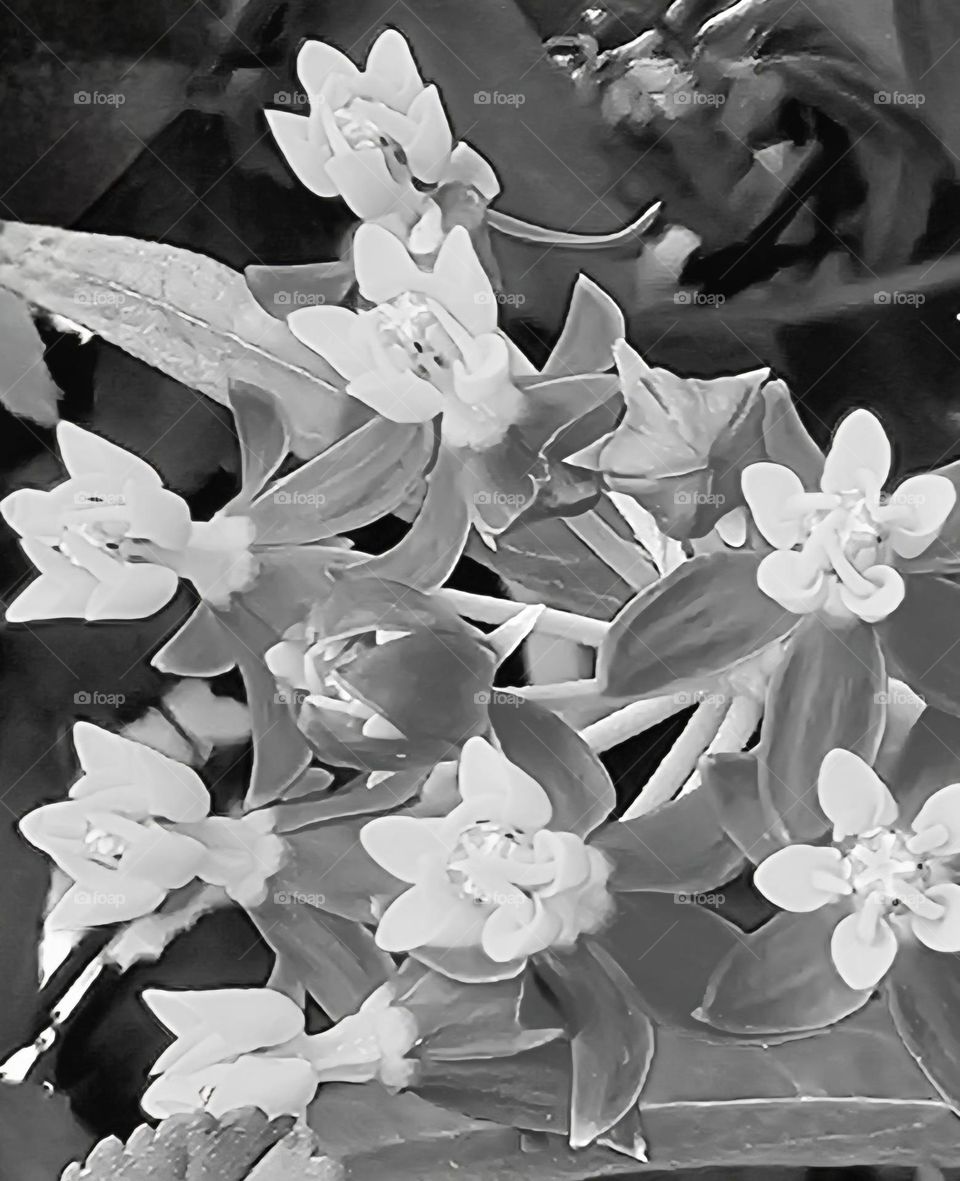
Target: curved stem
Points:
x,y
631,720
734,733
564,624
681,759
515,227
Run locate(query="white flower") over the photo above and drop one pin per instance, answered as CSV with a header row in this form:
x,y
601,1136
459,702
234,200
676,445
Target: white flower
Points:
x,y
834,547
111,542
492,874
429,347
895,881
372,132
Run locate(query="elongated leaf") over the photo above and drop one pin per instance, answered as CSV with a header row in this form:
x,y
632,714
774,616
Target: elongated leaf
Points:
x,y
612,1037
187,315
781,979
262,435
679,848
336,960
358,800
357,480
923,991
26,388
695,623
920,636
200,648
733,780
555,755
828,692
592,325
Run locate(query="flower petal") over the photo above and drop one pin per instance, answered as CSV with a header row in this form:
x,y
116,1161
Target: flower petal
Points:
x,y
931,499
431,912
796,878
390,73
853,797
515,932
61,592
768,489
942,934
84,452
398,395
125,898
862,963
278,1086
317,61
859,457
402,844
334,334
308,158
880,603
383,265
157,514
460,284
942,809
794,581
467,166
428,150
486,772
141,590
365,182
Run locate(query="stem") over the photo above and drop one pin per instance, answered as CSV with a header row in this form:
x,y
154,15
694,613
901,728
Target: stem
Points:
x,y
564,624
681,759
630,561
631,720
734,733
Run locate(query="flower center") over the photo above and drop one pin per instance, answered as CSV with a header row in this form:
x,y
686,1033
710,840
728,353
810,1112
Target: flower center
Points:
x,y
479,865
358,130
104,848
887,877
414,339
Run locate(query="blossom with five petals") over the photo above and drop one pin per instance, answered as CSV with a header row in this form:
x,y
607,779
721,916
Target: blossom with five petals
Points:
x,y
377,137
111,542
492,874
896,882
834,548
136,826
237,1047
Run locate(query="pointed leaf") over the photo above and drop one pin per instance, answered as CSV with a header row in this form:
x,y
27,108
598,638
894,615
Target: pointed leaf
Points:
x,y
262,435
200,648
923,991
930,759
612,1037
593,323
828,692
781,979
695,623
26,388
733,780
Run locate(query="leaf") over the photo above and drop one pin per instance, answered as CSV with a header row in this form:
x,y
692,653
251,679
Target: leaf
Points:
x,y
336,960
262,435
358,800
733,780
679,848
593,323
26,388
923,991
611,1036
39,1134
240,1146
827,692
555,755
929,760
281,290
786,439
697,622
920,636
781,979
353,482
186,315
280,752
928,31
200,648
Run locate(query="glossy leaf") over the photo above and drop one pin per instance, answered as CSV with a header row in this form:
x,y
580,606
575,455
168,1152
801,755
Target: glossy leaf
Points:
x,y
358,479
829,691
919,636
200,648
786,439
781,979
611,1036
692,625
923,991
733,781
593,323
262,436
678,848
553,754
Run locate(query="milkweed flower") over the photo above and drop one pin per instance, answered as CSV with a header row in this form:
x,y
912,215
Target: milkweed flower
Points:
x,y
238,1047
834,548
111,542
492,874
430,346
378,137
136,825
898,882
